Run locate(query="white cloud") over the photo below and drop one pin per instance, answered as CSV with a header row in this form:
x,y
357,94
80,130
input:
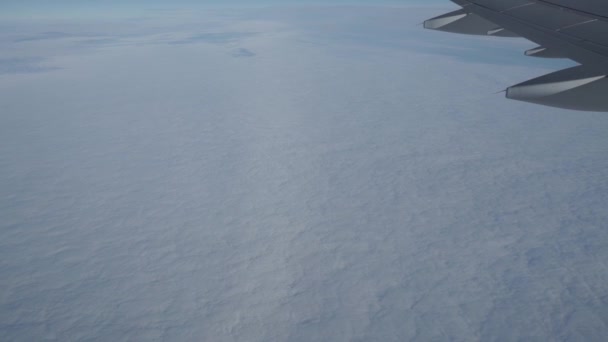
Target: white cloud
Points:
x,y
352,180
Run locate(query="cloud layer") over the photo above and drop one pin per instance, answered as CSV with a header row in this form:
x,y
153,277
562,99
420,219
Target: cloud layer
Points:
x,y
353,179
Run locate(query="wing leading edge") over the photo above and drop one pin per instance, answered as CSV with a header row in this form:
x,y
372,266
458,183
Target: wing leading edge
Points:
x,y
574,29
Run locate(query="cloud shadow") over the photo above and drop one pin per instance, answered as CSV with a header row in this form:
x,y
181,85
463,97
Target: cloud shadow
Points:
x,y
243,53
29,65
214,38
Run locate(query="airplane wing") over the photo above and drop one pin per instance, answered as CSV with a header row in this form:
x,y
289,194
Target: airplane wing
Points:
x,y
574,29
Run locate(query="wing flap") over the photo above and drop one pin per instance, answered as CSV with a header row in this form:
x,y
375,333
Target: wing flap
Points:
x,y
598,8
593,30
552,18
501,5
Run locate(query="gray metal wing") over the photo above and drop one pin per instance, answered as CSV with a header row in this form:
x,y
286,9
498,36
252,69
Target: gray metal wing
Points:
x,y
574,29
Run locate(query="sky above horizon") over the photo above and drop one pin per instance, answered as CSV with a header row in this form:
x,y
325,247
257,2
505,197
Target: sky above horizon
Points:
x,y
144,3
203,2
283,174
11,9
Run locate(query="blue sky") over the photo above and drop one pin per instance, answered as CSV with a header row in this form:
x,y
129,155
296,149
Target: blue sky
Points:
x,y
40,9
86,3
252,2
69,8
